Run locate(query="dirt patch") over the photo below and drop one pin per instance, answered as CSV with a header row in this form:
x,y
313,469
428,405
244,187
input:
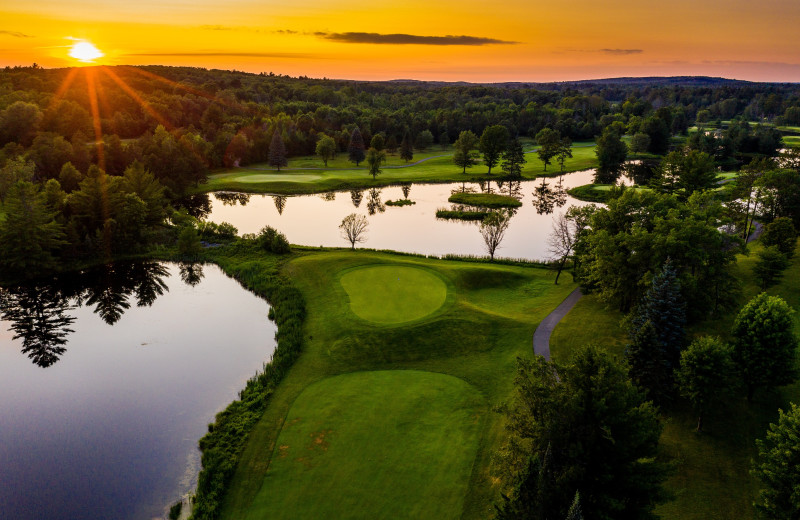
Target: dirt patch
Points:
x,y
319,441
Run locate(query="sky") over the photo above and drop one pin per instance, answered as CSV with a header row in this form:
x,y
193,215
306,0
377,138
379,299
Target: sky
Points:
x,y
447,40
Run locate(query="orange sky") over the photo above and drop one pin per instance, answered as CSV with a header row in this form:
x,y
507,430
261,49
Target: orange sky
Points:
x,y
508,40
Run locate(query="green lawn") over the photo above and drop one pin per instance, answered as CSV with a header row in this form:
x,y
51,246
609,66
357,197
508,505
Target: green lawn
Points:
x,y
392,294
711,479
410,433
485,200
411,459
791,140
262,179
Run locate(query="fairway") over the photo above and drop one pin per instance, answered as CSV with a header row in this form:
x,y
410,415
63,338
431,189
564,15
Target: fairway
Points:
x,y
392,294
379,444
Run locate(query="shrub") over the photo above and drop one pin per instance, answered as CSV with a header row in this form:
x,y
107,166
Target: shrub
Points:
x,y
270,239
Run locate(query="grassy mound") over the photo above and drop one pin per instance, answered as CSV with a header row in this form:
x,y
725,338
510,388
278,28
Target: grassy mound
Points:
x,y
485,200
422,427
461,215
400,202
392,294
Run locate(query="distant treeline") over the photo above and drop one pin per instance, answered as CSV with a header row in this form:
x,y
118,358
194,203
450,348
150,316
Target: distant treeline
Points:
x,y
180,122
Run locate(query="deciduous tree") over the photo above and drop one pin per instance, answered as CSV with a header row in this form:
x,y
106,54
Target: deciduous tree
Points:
x,y
778,467
464,154
326,148
493,142
355,149
493,230
354,228
704,375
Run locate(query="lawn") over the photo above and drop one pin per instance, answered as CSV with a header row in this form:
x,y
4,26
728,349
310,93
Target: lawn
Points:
x,y
711,479
413,459
341,174
485,200
399,397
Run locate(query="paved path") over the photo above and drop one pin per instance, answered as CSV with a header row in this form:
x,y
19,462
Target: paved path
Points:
x,y
541,338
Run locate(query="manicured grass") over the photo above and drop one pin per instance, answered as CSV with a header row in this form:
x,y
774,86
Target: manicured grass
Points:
x,y
487,320
411,460
711,479
400,202
461,215
791,140
591,192
391,294
260,178
485,200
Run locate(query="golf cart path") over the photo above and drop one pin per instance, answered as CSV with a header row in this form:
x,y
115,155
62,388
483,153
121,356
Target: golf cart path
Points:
x,y
541,338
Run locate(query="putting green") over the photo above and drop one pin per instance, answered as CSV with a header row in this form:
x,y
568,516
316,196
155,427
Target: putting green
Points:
x,y
379,444
391,294
275,177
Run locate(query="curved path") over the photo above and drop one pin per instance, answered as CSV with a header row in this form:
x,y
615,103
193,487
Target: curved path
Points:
x,y
541,338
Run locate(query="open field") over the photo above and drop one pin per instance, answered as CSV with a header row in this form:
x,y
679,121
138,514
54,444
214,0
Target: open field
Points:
x,y
438,168
712,479
419,392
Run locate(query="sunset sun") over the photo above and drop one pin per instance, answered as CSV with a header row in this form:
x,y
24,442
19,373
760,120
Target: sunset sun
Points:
x,y
85,51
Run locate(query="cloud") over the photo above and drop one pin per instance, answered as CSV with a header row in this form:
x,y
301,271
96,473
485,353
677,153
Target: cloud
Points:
x,y
279,55
408,39
622,52
16,34
285,31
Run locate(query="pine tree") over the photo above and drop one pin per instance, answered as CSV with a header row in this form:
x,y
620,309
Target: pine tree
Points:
x,y
657,334
513,159
29,236
406,149
277,151
575,512
356,148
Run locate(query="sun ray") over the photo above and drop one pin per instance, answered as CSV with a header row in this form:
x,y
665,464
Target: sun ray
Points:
x,y
62,89
187,88
132,93
96,124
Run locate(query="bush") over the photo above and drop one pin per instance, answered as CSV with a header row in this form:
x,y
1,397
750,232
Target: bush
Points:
x,y
189,242
270,239
782,234
213,231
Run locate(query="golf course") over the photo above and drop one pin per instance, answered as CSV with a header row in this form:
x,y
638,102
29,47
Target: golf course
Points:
x,y
388,412
310,175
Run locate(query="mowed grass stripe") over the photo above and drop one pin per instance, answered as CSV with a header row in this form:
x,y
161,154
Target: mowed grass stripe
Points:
x,y
379,444
391,294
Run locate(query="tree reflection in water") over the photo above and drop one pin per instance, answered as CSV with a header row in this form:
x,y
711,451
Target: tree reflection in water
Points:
x,y
191,273
356,196
232,199
38,314
546,198
198,205
374,204
280,203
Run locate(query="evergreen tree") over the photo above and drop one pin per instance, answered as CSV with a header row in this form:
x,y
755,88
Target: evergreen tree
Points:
x,y
764,344
406,150
355,149
30,237
575,512
277,151
778,467
597,433
657,334
770,267
513,159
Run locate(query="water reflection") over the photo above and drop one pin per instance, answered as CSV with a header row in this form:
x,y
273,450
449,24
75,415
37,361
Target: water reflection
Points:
x,y
191,273
374,203
280,203
328,196
546,197
406,189
38,315
232,198
356,196
198,205
309,220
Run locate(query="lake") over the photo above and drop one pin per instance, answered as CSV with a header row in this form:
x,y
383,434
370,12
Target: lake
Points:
x,y
313,220
112,379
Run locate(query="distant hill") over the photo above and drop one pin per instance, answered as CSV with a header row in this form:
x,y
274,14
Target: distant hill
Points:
x,y
650,81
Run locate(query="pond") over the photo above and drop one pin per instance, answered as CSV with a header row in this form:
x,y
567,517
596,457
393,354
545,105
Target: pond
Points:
x,y
313,220
109,377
